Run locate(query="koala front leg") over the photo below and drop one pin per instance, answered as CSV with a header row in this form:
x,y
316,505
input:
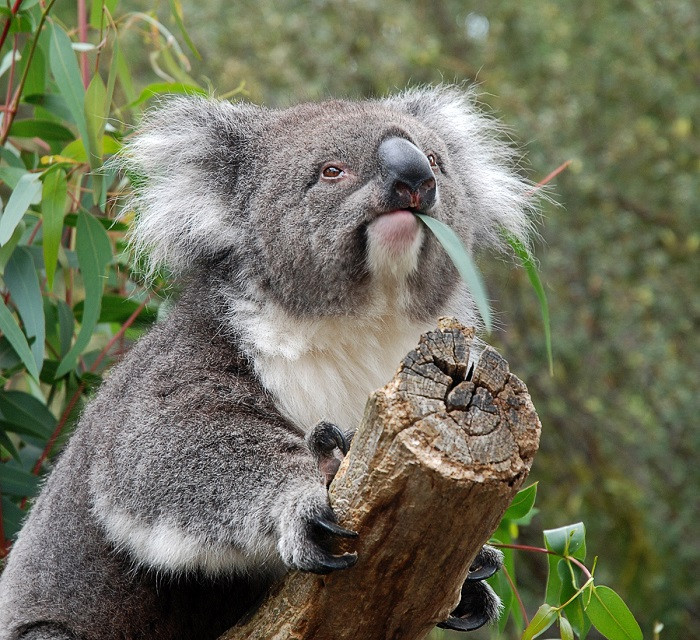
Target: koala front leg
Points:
x,y
310,529
242,494
478,604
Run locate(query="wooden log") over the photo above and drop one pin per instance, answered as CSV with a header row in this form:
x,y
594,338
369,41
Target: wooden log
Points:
x,y
442,450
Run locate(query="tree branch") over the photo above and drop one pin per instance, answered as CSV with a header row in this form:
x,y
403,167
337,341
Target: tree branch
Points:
x,y
440,454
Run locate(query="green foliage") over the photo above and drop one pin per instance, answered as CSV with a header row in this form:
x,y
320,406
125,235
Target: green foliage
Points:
x,y
572,599
68,303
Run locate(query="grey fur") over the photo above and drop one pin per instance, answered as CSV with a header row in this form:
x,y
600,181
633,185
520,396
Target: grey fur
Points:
x,y
189,484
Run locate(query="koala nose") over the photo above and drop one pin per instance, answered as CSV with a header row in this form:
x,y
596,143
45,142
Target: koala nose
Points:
x,y
410,182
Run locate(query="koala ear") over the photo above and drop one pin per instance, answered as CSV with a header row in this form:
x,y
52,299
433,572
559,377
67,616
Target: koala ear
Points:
x,y
484,162
186,161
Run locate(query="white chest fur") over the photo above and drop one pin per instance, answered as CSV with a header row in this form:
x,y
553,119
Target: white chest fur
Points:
x,y
325,369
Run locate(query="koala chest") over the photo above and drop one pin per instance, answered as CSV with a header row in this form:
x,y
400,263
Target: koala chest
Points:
x,y
326,369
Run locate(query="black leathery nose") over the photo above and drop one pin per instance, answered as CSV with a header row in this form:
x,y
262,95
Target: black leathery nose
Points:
x,y
409,177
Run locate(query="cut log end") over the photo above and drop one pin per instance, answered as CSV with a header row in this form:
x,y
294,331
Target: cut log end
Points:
x,y
441,452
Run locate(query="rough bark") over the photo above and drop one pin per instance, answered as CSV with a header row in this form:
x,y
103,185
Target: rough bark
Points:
x,y
441,452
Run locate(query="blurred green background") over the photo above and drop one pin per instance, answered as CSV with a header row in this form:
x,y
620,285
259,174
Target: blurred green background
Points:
x,y
613,87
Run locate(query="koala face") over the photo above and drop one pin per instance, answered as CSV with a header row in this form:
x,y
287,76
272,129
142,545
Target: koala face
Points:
x,y
335,227
310,207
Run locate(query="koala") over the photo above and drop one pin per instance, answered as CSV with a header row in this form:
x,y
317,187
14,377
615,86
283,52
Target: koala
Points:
x,y
197,476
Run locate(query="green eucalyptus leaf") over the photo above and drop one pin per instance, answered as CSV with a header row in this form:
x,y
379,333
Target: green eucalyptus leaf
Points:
x,y
66,322
36,77
12,517
14,335
94,254
54,104
27,191
569,540
22,413
97,21
541,621
53,207
522,503
565,630
64,67
8,248
464,263
8,445
44,129
23,284
610,615
95,99
15,481
530,267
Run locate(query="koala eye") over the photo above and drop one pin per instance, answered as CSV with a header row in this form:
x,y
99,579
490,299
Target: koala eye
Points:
x,y
432,159
332,173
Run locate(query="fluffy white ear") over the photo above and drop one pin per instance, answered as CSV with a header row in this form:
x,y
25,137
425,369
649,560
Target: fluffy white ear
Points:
x,y
485,161
185,161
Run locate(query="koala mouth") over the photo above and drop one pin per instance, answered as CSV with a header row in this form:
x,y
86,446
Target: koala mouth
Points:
x,y
395,231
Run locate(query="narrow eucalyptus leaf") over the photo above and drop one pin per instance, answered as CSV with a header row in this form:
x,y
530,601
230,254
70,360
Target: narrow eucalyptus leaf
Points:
x,y
64,66
15,481
94,254
464,263
14,335
541,621
522,503
53,206
23,284
27,191
531,269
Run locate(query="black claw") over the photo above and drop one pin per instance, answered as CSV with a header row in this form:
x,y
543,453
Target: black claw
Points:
x,y
481,572
333,563
486,563
464,624
326,437
333,528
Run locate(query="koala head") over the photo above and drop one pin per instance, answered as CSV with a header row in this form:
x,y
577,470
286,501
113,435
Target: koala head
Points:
x,y
311,207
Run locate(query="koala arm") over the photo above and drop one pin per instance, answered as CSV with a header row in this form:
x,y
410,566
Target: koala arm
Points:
x,y
200,472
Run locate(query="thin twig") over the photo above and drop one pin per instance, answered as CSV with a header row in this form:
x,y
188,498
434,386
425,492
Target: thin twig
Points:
x,y
12,112
514,589
525,547
8,22
549,177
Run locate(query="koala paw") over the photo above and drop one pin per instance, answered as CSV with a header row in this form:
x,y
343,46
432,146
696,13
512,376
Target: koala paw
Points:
x,y
323,440
308,530
478,604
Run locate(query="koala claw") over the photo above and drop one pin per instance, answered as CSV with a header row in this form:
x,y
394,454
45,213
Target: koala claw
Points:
x,y
486,563
333,528
468,623
330,563
324,438
478,604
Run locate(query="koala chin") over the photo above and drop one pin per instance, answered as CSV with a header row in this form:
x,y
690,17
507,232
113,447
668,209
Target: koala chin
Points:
x,y
197,475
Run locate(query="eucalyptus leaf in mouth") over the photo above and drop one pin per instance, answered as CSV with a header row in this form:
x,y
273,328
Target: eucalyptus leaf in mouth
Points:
x,y
463,262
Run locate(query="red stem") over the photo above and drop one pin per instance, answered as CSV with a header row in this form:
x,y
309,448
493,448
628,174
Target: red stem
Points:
x,y
525,547
517,595
549,177
35,230
8,21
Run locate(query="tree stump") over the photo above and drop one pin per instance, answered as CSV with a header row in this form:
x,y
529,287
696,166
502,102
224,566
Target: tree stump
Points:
x,y
441,452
